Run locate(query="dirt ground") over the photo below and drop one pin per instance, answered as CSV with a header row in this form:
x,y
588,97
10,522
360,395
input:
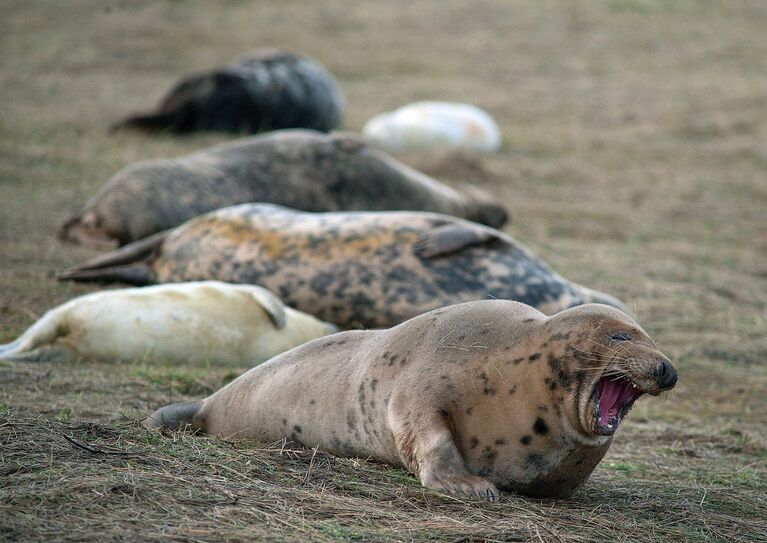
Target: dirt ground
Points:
x,y
635,162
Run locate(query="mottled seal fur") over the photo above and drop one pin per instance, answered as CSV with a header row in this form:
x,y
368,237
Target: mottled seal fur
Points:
x,y
205,321
267,90
352,269
297,168
469,398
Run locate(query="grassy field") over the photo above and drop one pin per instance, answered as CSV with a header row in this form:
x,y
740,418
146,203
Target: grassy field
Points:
x,y
635,162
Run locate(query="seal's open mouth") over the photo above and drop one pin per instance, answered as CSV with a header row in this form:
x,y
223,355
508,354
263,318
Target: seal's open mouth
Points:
x,y
613,396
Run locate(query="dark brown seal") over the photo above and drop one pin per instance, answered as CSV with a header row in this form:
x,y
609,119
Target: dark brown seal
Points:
x,y
352,269
267,90
469,398
297,168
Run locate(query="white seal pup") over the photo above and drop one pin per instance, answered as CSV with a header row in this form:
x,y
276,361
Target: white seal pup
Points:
x,y
205,321
434,125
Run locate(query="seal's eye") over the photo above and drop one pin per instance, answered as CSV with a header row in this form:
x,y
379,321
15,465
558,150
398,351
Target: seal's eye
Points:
x,y
621,336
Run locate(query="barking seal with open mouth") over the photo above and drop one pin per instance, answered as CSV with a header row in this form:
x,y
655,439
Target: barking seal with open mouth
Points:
x,y
470,398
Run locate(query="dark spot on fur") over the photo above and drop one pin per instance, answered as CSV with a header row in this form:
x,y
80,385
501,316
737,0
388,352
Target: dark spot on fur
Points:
x,y
484,331
527,321
284,422
512,390
351,421
444,377
536,462
543,408
559,337
469,410
361,397
517,361
474,442
312,402
297,428
553,385
374,384
525,440
534,357
500,441
489,455
540,427
489,391
483,376
461,337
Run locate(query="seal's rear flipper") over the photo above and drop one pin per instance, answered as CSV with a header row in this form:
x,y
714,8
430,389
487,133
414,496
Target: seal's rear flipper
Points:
x,y
177,416
134,274
149,123
451,238
8,347
45,353
127,264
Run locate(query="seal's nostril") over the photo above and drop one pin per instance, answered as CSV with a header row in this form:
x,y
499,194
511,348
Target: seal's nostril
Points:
x,y
667,376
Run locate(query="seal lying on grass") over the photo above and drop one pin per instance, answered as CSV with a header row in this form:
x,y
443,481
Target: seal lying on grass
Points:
x,y
352,269
296,168
267,90
469,398
186,322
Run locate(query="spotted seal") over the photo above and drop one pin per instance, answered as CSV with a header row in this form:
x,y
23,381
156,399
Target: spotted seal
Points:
x,y
301,169
470,398
266,90
206,321
350,268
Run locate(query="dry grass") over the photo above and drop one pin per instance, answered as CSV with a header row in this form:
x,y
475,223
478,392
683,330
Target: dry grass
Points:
x,y
635,159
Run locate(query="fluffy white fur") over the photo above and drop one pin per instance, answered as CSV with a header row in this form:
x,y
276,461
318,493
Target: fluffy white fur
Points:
x,y
429,125
183,322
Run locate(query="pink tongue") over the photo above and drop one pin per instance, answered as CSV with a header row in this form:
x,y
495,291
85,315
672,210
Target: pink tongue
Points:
x,y
613,395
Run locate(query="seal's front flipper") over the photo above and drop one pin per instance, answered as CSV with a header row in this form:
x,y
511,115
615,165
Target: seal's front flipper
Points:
x,y
450,238
272,306
466,485
177,416
428,449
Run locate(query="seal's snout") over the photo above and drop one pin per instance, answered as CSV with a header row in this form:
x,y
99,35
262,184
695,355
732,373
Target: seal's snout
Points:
x,y
666,375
